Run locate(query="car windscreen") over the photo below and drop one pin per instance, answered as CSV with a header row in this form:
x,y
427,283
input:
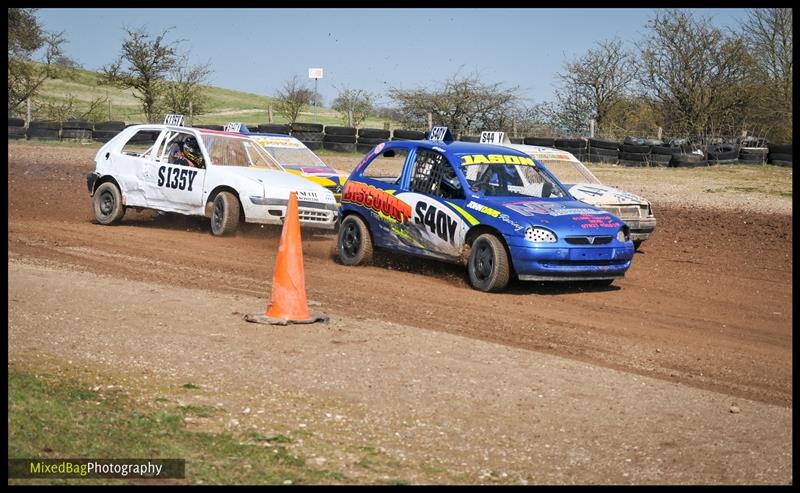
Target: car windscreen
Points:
x,y
225,150
290,153
569,171
497,175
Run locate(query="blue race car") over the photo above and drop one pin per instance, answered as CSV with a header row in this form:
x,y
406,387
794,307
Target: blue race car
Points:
x,y
494,207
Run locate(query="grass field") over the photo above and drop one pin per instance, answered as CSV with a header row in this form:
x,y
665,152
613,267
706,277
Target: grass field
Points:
x,y
224,105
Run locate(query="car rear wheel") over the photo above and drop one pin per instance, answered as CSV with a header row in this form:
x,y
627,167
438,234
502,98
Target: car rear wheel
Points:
x,y
107,204
354,243
225,215
488,264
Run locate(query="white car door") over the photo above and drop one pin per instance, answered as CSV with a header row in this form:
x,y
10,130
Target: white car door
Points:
x,y
168,184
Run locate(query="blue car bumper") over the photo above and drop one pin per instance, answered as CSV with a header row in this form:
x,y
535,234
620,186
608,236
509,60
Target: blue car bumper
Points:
x,y
556,262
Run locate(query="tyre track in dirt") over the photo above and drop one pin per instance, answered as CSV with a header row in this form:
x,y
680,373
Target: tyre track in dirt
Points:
x,y
707,302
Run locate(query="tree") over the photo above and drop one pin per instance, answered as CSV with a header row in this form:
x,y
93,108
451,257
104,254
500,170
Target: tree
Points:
x,y
143,66
354,105
598,81
692,74
768,33
464,104
291,99
184,91
25,37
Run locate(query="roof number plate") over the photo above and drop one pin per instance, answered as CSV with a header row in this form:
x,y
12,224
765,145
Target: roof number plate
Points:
x,y
233,127
173,120
492,137
438,133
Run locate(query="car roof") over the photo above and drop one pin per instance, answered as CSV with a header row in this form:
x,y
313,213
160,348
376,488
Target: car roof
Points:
x,y
460,147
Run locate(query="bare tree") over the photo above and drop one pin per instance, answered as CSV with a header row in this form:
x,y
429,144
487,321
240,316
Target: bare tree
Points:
x,y
185,92
355,104
598,81
692,72
464,103
143,65
291,99
25,37
768,33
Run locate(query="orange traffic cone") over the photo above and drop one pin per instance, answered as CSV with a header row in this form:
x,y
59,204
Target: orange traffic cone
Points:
x,y
289,303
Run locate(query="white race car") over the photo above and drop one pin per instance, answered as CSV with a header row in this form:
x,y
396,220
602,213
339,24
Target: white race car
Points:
x,y
584,186
220,175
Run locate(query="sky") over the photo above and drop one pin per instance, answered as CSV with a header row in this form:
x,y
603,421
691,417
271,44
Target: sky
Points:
x,y
258,50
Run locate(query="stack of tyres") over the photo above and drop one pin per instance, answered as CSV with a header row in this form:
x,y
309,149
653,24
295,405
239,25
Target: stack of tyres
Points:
x,y
210,126
309,134
661,155
370,137
576,147
79,130
780,154
143,137
400,134
271,128
339,139
470,138
105,131
516,140
723,153
634,155
44,130
539,141
603,151
16,128
689,157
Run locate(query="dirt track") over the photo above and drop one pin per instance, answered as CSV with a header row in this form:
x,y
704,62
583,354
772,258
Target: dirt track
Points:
x,y
707,302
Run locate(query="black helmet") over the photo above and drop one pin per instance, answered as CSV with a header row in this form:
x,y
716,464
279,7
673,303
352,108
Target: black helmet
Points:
x,y
191,150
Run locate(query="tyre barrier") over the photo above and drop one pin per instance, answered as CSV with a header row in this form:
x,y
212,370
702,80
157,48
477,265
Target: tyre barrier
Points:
x,y
604,144
15,132
210,126
273,128
516,140
307,127
401,134
334,130
634,157
103,135
753,155
632,164
660,159
470,138
76,134
780,159
374,133
16,122
44,130
339,146
723,154
366,147
341,139
306,137
539,141
314,146
688,161
565,144
110,126
602,155
77,125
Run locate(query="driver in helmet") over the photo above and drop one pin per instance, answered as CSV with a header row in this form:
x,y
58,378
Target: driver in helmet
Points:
x,y
187,153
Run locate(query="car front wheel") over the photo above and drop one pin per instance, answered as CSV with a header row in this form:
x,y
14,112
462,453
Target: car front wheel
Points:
x,y
488,264
107,204
354,244
225,214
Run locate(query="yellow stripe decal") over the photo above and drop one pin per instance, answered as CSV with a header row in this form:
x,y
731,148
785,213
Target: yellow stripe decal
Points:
x,y
469,217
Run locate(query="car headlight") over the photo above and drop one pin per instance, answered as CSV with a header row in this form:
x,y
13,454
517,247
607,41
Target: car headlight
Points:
x,y
623,235
540,235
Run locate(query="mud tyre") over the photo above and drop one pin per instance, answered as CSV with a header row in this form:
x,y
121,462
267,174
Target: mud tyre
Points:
x,y
354,244
488,266
225,214
107,204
